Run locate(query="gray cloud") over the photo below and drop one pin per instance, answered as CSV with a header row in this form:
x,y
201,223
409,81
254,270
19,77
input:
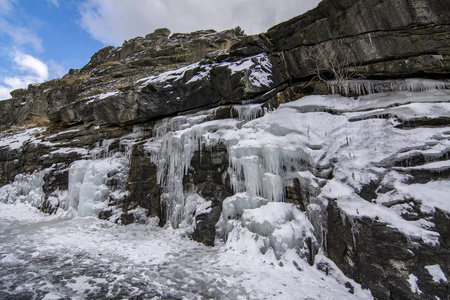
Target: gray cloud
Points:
x,y
113,21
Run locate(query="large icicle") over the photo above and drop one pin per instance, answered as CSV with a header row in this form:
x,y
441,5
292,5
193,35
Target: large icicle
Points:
x,y
176,141
88,189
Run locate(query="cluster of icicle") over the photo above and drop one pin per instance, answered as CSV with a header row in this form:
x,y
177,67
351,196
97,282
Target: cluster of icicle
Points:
x,y
364,87
258,176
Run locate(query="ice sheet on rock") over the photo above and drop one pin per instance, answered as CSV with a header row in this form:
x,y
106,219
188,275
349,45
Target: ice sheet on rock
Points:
x,y
335,103
204,73
259,70
354,206
168,76
408,112
103,96
412,280
53,136
259,67
88,189
66,150
431,194
25,188
437,166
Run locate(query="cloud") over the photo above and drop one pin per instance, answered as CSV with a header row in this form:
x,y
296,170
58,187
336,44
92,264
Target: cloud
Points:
x,y
5,6
20,35
54,3
29,70
113,21
4,92
22,68
31,65
56,69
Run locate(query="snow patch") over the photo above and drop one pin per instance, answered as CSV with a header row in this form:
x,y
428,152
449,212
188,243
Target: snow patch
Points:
x,y
436,272
412,279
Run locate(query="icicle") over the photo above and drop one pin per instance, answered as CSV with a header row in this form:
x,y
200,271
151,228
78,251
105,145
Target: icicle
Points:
x,y
373,86
177,141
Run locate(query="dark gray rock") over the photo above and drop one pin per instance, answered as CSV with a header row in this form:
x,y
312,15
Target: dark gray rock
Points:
x,y
208,174
382,38
142,186
381,258
197,86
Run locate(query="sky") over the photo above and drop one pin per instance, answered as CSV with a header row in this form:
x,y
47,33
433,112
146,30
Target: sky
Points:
x,y
42,39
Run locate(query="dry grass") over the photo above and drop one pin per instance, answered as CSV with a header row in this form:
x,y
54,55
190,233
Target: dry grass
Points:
x,y
72,80
109,64
38,121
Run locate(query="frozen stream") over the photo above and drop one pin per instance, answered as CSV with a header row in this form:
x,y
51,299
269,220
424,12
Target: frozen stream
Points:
x,y
58,257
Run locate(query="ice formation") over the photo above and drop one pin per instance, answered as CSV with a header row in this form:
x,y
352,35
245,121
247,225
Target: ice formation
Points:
x,y
88,192
302,140
332,146
362,87
93,182
24,188
436,272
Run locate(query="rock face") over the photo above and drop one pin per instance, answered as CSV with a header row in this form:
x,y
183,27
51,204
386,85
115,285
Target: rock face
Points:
x,y
376,254
184,127
367,38
379,38
209,175
192,87
111,69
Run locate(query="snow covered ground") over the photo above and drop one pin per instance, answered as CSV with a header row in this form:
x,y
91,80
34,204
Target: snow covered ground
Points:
x,y
59,257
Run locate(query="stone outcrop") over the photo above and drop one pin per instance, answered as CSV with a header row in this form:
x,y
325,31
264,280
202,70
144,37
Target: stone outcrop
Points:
x,y
197,86
381,257
360,37
367,38
113,68
143,188
209,175
378,38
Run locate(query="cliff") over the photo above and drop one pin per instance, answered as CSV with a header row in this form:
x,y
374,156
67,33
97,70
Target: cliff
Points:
x,y
214,133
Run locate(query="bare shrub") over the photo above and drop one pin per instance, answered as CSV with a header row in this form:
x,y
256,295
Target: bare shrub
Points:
x,y
332,63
